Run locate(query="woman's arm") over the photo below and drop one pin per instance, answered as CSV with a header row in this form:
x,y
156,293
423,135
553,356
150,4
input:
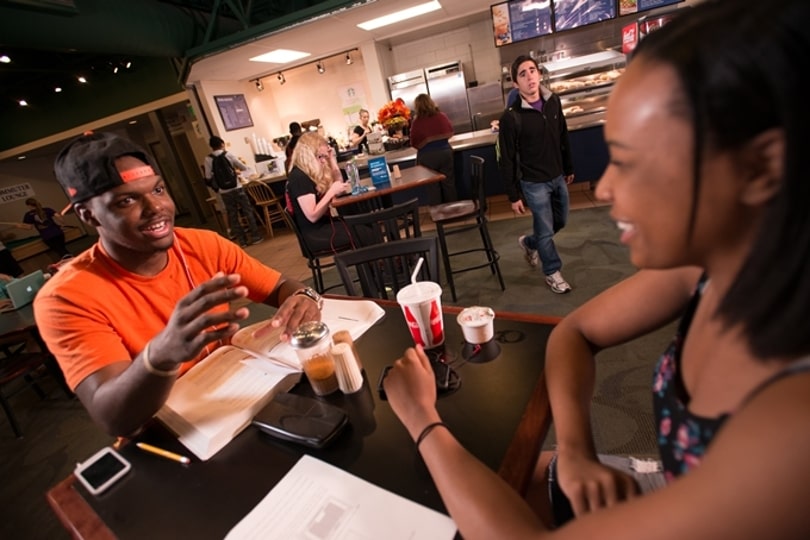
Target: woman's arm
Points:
x,y
721,498
623,312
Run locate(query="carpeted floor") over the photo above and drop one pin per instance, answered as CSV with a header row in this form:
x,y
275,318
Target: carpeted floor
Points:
x,y
58,432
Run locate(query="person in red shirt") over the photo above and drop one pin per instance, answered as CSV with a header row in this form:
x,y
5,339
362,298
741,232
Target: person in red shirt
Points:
x,y
430,134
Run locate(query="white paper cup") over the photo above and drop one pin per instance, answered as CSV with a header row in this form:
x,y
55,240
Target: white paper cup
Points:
x,y
477,324
422,306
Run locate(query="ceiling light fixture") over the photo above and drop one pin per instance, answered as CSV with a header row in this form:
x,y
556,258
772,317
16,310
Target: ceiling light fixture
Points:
x,y
57,89
349,59
128,65
281,79
400,16
115,70
5,59
23,103
320,67
81,79
280,56
259,85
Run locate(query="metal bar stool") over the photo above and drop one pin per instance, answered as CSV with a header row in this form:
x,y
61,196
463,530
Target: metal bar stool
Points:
x,y
448,214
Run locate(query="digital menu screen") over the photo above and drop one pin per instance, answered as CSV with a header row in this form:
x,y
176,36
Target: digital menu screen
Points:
x,y
626,7
569,14
520,20
234,111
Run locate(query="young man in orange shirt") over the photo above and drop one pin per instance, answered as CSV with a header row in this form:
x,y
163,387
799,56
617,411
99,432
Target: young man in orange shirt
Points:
x,y
136,310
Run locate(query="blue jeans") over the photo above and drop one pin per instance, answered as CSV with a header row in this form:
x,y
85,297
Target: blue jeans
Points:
x,y
548,203
234,201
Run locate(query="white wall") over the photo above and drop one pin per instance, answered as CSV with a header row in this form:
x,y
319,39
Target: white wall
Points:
x,y
473,44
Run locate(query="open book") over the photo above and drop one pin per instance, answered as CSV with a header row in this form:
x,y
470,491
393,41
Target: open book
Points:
x,y
217,398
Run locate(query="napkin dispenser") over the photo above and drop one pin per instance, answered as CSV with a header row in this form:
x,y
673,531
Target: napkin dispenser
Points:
x,y
375,143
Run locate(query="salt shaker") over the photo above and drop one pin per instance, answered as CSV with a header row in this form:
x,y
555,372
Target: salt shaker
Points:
x,y
349,377
343,336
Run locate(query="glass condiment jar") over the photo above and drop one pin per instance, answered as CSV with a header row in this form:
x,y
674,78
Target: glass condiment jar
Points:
x,y
312,344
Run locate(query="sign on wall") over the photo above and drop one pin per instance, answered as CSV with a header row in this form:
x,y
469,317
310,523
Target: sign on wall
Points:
x,y
15,193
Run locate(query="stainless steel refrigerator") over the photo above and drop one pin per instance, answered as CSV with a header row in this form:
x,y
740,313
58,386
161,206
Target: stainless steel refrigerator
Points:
x,y
486,104
447,87
407,86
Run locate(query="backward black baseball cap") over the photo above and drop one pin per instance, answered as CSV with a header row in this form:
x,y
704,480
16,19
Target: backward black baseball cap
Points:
x,y
85,167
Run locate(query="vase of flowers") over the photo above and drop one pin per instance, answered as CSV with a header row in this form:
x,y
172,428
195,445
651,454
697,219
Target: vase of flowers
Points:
x,y
394,117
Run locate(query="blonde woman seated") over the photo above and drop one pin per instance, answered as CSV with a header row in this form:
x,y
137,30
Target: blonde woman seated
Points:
x,y
313,182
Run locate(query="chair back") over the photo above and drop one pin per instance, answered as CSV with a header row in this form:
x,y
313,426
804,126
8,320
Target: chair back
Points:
x,y
393,223
261,192
385,268
477,183
302,243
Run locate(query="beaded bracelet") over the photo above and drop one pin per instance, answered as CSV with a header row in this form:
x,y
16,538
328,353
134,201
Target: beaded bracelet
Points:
x,y
427,430
152,369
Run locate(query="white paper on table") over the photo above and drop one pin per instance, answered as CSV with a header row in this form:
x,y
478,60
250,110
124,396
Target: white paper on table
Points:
x,y
318,501
648,477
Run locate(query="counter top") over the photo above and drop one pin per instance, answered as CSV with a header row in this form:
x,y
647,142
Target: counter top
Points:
x,y
462,141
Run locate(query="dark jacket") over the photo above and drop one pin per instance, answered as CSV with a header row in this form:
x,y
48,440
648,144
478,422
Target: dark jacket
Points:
x,y
536,150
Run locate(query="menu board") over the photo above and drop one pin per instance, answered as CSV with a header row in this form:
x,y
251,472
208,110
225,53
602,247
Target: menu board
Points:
x,y
234,111
569,14
520,20
626,7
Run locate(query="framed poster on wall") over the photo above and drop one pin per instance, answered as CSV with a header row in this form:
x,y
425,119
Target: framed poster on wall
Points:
x,y
234,111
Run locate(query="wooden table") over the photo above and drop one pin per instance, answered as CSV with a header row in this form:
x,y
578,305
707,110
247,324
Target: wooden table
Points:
x,y
411,177
500,413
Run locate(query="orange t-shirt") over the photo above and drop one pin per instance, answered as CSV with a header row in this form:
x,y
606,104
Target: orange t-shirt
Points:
x,y
94,313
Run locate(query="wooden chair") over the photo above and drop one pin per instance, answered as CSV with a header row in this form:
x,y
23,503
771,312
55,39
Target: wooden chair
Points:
x,y
317,261
394,223
270,203
471,215
385,268
19,370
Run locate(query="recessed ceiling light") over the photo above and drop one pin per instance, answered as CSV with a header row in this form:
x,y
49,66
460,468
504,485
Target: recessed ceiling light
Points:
x,y
5,59
57,89
399,16
81,79
280,56
23,103
21,157
133,122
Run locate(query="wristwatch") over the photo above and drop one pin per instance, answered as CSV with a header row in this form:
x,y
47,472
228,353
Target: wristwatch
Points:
x,y
312,294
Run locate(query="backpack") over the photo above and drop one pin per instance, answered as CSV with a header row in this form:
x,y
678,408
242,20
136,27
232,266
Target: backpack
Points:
x,y
516,117
222,174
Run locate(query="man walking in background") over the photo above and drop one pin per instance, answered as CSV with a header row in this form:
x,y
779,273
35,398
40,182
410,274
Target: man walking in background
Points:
x,y
535,161
220,174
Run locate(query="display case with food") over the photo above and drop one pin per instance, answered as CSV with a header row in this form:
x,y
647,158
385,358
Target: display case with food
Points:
x,y
583,84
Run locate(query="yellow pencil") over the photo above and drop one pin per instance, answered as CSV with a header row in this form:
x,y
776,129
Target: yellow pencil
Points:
x,y
163,453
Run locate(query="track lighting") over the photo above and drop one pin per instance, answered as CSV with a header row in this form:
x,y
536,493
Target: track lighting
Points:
x,y
349,60
259,85
281,79
320,67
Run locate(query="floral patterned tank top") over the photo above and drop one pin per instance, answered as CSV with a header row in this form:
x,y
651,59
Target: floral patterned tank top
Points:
x,y
683,437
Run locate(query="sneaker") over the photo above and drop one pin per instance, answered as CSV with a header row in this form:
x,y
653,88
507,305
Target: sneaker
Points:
x,y
532,257
557,283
